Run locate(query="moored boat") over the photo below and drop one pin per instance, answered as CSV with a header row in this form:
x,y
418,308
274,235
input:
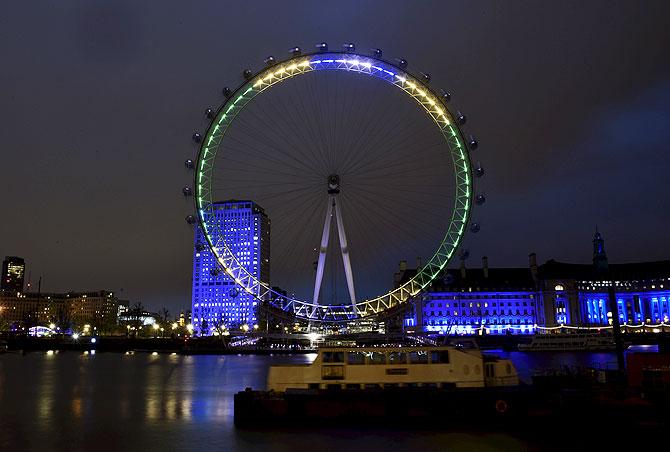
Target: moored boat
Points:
x,y
384,367
569,342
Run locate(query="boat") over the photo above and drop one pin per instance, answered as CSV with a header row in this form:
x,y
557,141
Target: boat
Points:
x,y
568,342
442,386
382,383
385,367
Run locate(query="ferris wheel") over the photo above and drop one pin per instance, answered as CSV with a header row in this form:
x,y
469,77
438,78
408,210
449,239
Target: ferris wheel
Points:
x,y
358,163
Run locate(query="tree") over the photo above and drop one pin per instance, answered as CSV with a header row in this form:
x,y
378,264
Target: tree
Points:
x,y
163,316
135,317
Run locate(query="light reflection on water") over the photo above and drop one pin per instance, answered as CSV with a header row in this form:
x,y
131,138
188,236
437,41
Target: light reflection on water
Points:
x,y
107,401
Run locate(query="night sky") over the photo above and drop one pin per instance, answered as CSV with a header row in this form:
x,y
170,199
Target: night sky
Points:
x,y
570,102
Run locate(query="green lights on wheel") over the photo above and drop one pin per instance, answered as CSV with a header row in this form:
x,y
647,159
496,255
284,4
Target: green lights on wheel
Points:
x,y
432,103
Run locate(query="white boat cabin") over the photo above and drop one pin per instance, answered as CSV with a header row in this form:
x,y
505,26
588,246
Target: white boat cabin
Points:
x,y
384,367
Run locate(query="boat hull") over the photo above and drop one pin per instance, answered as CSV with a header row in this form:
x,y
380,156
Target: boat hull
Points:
x,y
471,407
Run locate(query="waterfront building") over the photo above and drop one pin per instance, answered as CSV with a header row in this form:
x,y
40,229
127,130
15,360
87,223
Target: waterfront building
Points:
x,y
68,310
535,298
572,295
13,272
478,301
217,301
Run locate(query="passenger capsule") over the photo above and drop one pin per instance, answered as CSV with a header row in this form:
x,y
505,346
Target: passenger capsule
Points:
x,y
269,61
209,113
473,143
446,96
247,74
186,191
377,53
189,164
474,227
190,219
322,47
227,92
479,171
480,199
197,137
349,47
402,63
295,51
426,77
462,119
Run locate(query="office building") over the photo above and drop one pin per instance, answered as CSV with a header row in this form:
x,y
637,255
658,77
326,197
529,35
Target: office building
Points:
x,y
219,303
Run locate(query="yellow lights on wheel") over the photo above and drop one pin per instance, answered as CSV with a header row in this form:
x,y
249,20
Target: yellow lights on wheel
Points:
x,y
420,92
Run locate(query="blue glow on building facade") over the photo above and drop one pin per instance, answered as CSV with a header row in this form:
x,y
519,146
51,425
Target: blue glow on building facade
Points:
x,y
479,312
217,301
537,298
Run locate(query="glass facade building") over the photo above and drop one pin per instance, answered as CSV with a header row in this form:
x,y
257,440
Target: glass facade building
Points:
x,y
217,302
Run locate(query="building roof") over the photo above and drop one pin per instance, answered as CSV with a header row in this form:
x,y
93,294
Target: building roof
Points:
x,y
623,272
496,279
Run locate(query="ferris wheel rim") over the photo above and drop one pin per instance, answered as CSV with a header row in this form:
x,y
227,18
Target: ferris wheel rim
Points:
x,y
350,62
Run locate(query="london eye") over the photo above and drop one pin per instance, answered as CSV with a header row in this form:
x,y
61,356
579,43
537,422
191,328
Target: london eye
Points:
x,y
358,163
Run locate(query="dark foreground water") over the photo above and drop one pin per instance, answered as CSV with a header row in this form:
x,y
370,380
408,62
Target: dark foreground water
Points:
x,y
107,401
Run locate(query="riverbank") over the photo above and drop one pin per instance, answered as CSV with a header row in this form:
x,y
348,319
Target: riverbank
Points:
x,y
217,346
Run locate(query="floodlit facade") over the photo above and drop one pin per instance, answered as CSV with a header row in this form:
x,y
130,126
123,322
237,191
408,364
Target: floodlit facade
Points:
x,y
478,301
217,301
540,298
67,310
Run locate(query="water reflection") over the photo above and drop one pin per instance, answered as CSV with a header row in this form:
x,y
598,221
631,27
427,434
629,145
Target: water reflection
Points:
x,y
106,401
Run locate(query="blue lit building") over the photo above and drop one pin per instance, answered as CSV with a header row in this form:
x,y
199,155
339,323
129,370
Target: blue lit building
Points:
x,y
217,302
526,300
478,301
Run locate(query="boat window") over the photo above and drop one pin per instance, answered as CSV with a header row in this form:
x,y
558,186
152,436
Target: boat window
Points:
x,y
333,357
332,372
440,357
397,358
418,357
377,357
355,358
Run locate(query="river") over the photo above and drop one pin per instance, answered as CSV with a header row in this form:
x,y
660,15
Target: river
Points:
x,y
71,401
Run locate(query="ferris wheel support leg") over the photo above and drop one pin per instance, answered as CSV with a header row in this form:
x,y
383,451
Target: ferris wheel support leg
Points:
x,y
344,247
322,251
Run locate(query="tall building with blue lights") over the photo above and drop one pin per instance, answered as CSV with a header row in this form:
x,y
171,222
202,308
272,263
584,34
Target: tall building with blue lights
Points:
x,y
537,298
217,302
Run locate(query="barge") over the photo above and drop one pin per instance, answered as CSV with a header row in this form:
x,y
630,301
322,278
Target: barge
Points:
x,y
425,385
